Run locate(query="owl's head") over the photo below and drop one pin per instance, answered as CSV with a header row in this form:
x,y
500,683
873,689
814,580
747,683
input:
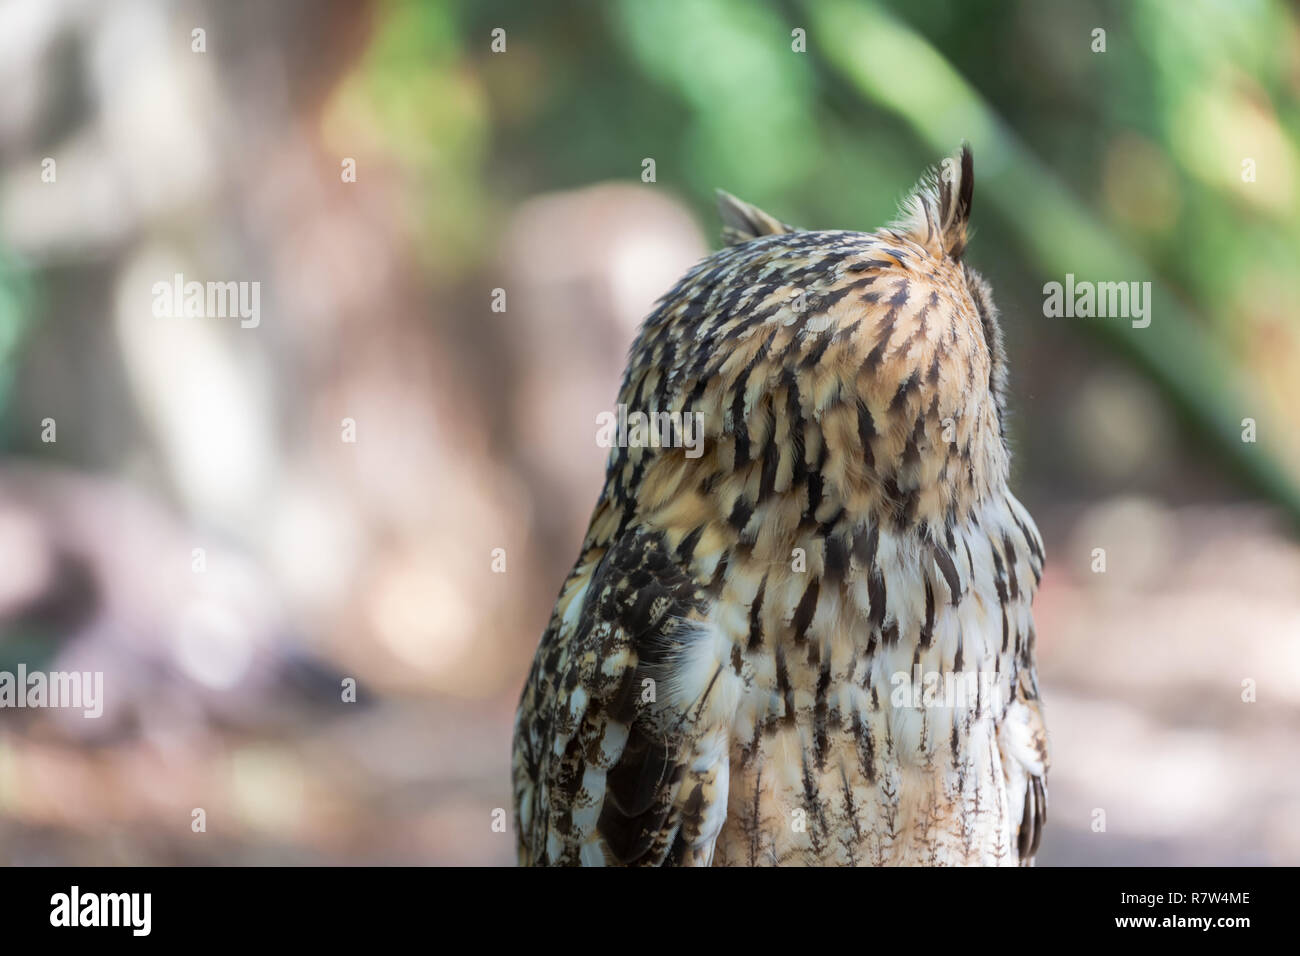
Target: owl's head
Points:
x,y
831,369
934,221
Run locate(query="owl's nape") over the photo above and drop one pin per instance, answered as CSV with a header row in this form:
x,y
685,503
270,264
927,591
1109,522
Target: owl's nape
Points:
x,y
809,640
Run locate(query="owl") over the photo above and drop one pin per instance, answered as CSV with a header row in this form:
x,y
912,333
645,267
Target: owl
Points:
x,y
799,630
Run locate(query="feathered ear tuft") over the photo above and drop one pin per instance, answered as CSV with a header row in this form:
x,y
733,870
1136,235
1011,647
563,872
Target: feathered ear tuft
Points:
x,y
742,222
937,212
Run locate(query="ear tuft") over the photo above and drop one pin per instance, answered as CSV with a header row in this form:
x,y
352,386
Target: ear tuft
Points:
x,y
937,212
742,222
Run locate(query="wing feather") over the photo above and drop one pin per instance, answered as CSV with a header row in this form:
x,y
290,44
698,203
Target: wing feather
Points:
x,y
1022,741
608,767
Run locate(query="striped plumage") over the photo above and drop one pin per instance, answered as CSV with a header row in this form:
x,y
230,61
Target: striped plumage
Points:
x,y
720,679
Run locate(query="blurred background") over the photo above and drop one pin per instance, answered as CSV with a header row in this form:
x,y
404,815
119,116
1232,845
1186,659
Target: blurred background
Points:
x,y
1165,150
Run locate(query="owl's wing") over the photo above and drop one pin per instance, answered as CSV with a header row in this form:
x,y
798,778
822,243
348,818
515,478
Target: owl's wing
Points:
x,y
1022,740
619,757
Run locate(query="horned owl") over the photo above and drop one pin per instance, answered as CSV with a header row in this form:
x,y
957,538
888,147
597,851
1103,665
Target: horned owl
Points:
x,y
807,639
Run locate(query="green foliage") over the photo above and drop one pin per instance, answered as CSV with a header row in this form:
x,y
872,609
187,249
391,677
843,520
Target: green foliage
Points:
x,y
15,323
